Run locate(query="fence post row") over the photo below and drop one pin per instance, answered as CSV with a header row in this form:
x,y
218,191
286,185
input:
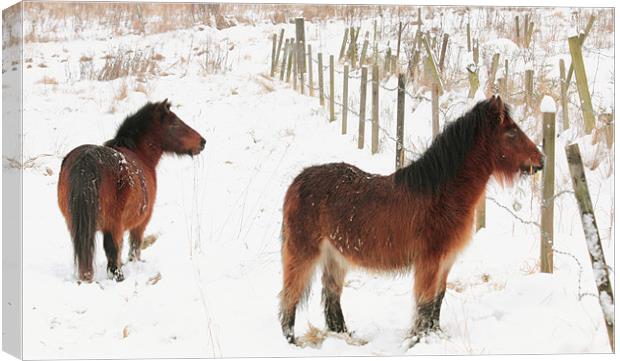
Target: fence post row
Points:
x,y
593,240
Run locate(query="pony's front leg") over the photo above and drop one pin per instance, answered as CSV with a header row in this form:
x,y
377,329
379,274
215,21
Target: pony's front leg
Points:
x,y
112,245
426,296
136,236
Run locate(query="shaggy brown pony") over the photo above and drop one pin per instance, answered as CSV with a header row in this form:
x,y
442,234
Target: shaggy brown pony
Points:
x,y
418,218
111,188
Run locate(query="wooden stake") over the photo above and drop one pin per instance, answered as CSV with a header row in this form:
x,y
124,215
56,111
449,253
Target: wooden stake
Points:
x,y
291,50
362,119
468,38
284,56
345,97
374,141
442,54
321,88
563,95
435,109
582,83
332,94
593,240
301,39
310,80
273,55
400,122
279,46
548,192
344,44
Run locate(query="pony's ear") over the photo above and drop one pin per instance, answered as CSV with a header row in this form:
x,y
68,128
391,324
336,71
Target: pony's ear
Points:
x,y
165,105
498,107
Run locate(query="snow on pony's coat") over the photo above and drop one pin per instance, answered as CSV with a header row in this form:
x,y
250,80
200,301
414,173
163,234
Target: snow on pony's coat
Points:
x,y
418,218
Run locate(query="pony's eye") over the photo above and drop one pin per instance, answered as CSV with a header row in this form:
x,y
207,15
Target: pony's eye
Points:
x,y
511,133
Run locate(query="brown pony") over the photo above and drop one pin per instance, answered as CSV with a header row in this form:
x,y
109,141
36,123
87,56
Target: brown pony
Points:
x,y
111,188
418,218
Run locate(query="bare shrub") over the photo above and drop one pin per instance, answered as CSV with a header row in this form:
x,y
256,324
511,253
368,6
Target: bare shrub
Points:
x,y
128,63
213,57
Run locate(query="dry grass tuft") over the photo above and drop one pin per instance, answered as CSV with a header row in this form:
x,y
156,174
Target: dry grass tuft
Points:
x,y
48,80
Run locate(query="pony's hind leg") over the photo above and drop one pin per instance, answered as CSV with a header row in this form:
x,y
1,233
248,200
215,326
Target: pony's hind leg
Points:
x,y
136,236
334,272
298,270
113,252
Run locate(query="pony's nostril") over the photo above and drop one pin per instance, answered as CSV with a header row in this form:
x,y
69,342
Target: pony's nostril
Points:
x,y
203,141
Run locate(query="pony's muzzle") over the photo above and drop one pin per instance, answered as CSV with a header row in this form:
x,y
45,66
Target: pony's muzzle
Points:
x,y
203,141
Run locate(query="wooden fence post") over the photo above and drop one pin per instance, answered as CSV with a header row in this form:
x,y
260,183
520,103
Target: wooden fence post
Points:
x,y
526,21
474,82
273,55
291,50
344,44
505,84
310,80
593,240
476,52
332,117
582,39
362,119
492,73
363,55
345,97
517,26
302,55
582,83
279,47
295,52
433,65
563,95
529,86
400,122
374,141
528,34
284,56
468,37
352,50
548,109
300,33
321,88
400,30
442,54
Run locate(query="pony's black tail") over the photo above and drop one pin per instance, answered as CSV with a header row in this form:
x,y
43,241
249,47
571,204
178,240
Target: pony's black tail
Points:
x,y
84,180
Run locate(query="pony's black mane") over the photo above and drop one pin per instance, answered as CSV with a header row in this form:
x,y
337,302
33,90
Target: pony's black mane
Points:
x,y
443,160
133,127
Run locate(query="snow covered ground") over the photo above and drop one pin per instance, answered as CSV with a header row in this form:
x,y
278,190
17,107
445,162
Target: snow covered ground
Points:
x,y
208,286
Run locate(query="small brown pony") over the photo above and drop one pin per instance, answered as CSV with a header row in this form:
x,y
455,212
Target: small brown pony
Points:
x,y
418,218
112,188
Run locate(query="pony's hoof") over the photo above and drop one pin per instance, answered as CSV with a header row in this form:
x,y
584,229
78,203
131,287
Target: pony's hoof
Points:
x,y
116,274
411,341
